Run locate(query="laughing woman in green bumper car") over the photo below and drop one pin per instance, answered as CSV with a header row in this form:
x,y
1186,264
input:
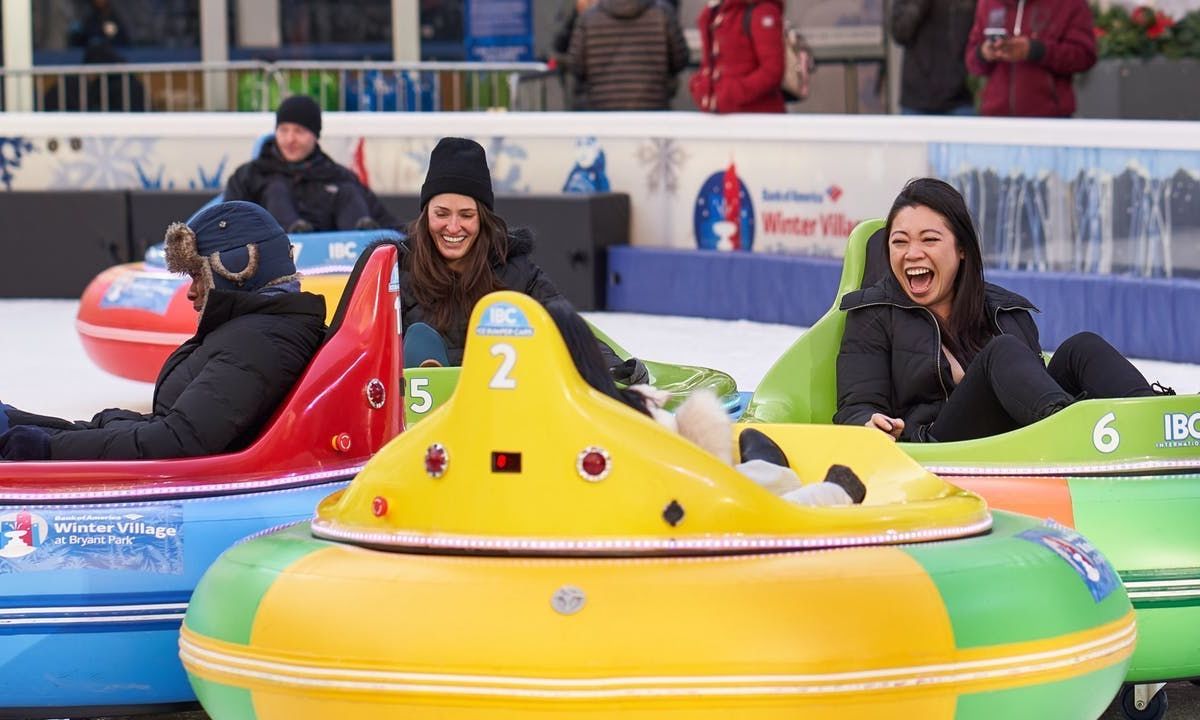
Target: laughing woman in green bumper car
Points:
x,y
932,353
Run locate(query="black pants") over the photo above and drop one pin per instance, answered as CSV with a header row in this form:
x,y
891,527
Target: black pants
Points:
x,y
1006,386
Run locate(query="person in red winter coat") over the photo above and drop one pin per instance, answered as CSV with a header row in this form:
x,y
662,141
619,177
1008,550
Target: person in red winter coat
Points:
x,y
1029,51
741,65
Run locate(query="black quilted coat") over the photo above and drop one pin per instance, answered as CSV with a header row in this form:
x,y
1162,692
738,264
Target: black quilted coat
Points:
x,y
215,392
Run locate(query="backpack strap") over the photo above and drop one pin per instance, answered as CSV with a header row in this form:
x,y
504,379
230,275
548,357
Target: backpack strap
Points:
x,y
708,33
746,17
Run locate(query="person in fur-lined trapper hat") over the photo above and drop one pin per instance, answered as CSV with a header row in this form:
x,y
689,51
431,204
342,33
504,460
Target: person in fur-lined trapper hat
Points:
x,y
257,333
702,420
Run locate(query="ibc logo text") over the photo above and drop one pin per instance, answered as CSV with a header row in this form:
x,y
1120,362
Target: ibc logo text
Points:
x,y
503,315
1181,430
504,319
343,250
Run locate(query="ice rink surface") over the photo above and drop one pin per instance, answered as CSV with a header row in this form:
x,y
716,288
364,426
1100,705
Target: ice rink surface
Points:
x,y
43,369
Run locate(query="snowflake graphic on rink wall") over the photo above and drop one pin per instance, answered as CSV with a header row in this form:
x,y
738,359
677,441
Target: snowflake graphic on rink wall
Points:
x,y
418,153
108,163
12,150
507,160
203,181
724,214
663,159
104,163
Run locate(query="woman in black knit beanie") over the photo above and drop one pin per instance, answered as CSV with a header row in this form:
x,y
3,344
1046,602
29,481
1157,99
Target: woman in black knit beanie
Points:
x,y
458,251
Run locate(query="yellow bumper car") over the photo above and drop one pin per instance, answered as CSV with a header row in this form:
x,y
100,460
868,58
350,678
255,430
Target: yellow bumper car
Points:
x,y
536,549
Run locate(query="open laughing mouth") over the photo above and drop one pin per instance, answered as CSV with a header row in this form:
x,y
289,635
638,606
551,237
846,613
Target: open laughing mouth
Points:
x,y
920,280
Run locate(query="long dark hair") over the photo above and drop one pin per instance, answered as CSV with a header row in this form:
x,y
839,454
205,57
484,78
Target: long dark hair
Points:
x,y
581,344
967,330
449,295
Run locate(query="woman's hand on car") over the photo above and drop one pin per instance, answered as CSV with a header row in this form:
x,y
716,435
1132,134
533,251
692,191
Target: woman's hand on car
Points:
x,y
890,425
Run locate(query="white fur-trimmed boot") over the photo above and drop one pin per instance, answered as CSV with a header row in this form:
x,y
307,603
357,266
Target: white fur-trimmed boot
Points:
x,y
702,420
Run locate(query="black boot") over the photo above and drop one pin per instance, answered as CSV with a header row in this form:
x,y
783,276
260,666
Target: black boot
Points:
x,y
754,445
1058,405
845,478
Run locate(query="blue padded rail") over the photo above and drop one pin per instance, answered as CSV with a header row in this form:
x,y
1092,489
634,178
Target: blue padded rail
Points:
x,y
1144,318
728,286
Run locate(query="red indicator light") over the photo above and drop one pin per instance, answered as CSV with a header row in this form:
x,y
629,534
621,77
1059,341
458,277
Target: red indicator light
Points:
x,y
506,462
593,464
376,394
341,442
379,506
436,460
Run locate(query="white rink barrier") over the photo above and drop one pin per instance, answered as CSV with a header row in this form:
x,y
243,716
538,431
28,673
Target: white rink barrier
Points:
x,y
1074,195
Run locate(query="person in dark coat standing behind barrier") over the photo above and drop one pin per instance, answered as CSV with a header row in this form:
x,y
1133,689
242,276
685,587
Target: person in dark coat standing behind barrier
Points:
x,y
741,65
626,55
256,336
301,186
101,26
110,92
568,16
934,33
1031,60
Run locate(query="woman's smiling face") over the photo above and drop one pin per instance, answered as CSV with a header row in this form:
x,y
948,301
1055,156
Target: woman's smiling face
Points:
x,y
454,225
925,257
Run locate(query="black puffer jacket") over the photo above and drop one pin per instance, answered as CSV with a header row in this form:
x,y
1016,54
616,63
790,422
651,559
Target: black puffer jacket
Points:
x,y
316,183
217,389
891,359
516,272
934,35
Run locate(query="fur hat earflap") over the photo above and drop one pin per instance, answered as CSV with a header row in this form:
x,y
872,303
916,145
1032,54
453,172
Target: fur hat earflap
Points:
x,y
182,258
231,246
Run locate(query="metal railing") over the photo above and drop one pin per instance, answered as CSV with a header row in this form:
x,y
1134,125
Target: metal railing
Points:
x,y
258,86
